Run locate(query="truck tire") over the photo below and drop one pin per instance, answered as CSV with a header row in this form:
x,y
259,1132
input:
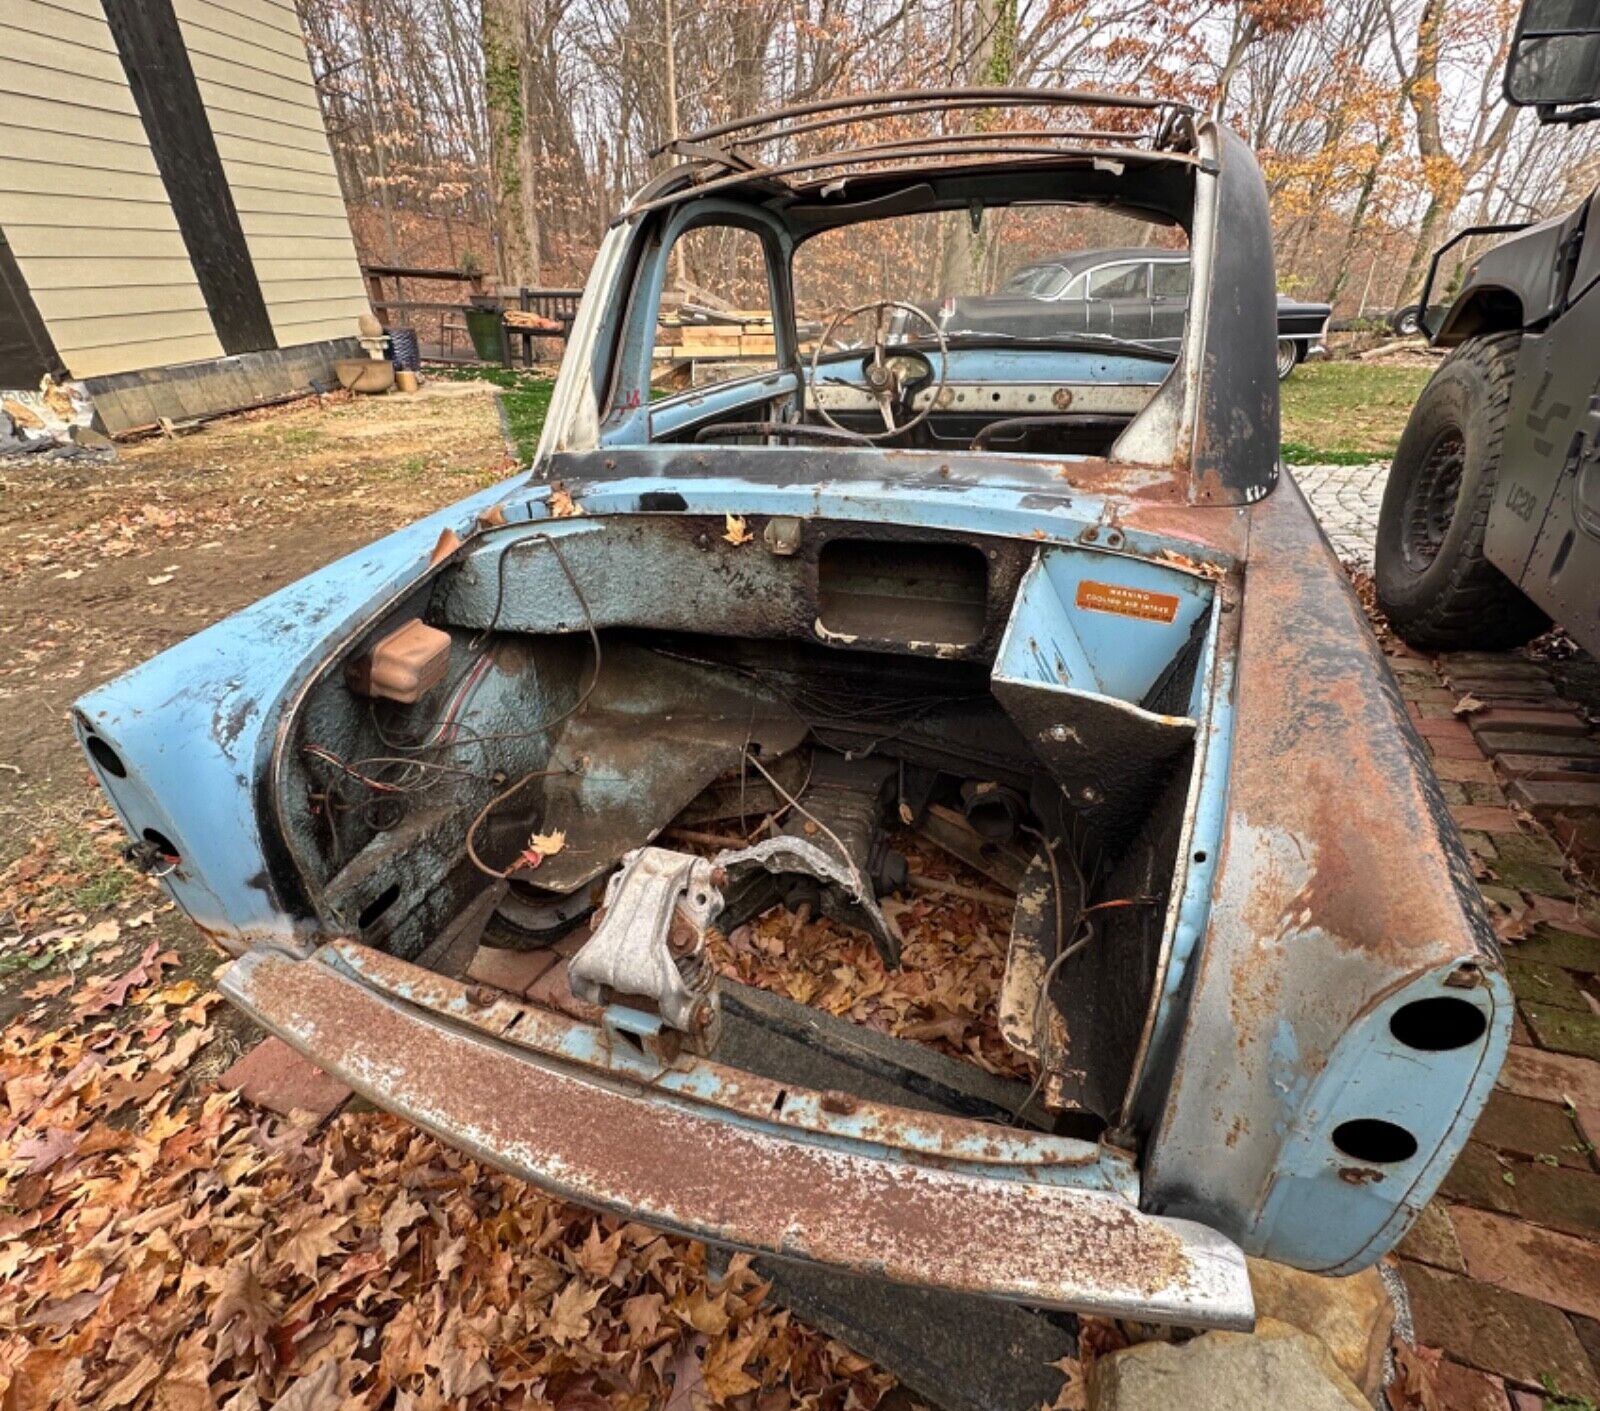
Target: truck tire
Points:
x,y
1434,584
1288,356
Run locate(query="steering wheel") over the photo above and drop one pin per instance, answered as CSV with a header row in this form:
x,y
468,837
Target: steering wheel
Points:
x,y
883,383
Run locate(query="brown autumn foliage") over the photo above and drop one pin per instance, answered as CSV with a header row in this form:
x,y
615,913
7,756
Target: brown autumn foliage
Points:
x,y
164,1245
1379,122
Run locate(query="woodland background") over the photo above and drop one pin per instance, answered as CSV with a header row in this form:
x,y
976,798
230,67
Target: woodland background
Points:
x,y
501,135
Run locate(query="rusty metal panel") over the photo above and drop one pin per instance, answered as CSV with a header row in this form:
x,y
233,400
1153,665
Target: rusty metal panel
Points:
x,y
629,1147
1344,895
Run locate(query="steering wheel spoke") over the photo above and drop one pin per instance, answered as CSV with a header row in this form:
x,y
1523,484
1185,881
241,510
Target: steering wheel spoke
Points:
x,y
882,382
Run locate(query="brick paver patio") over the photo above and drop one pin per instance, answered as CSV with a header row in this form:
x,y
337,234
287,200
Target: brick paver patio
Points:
x,y
1503,1270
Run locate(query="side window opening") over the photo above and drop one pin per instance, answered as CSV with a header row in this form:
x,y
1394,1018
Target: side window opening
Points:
x,y
716,317
1118,282
1169,279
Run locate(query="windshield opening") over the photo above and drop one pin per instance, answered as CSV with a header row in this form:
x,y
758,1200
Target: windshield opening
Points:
x,y
1035,273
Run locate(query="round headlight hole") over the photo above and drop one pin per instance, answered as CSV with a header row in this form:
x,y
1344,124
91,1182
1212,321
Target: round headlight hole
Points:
x,y
106,757
1439,1024
162,844
1376,1142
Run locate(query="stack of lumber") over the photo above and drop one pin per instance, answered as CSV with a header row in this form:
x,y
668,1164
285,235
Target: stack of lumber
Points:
x,y
522,321
738,333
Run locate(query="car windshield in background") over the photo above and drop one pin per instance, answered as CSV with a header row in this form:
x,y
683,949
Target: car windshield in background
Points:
x,y
1036,273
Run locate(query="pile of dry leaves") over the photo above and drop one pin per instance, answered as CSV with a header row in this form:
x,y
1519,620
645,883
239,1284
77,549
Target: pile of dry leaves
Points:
x,y
944,993
192,1254
163,1244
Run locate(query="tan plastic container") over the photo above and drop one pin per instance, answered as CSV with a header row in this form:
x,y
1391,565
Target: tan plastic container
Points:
x,y
404,666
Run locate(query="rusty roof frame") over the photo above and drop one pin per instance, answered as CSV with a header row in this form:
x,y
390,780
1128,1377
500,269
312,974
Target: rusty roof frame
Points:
x,y
719,157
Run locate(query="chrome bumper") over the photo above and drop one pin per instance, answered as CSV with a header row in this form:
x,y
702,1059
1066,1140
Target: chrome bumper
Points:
x,y
731,1158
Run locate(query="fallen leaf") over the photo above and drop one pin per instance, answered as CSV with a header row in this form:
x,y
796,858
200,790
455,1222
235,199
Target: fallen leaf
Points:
x,y
401,1215
568,1319
317,1391
159,579
313,1241
737,531
48,989
562,505
41,1153
723,1367
1467,705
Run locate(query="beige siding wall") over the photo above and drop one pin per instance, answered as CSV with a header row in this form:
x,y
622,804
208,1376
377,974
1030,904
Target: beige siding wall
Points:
x,y
250,60
82,202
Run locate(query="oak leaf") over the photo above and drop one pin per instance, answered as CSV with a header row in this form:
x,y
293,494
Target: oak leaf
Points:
x,y
737,531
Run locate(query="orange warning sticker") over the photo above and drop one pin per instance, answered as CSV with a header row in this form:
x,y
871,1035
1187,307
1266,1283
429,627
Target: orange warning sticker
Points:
x,y
1126,601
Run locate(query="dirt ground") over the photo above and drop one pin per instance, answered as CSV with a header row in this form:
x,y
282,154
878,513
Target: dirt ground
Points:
x,y
103,566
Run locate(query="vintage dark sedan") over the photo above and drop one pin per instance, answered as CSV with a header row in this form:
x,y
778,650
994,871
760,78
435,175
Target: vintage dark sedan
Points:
x,y
715,653
1133,292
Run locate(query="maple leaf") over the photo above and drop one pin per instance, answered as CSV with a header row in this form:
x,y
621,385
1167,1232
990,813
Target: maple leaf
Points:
x,y
737,531
317,1390
313,1241
186,1383
723,1368
133,1381
597,1257
541,846
541,1275
403,1354
460,1352
401,1215
568,1320
642,1313
244,1309
1074,1395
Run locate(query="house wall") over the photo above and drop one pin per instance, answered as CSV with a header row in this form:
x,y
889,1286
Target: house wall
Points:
x,y
82,204
250,61
91,223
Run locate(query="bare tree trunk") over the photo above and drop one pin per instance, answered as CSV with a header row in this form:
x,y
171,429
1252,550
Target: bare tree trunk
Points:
x,y
511,159
374,108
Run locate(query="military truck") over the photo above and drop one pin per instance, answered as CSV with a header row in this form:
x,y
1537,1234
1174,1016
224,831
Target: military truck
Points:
x,y
1490,526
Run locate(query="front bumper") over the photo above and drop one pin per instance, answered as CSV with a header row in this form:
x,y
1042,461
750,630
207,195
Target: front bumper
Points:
x,y
728,1157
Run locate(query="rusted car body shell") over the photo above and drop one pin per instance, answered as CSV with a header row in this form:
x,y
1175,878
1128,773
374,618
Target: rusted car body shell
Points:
x,y
1291,1094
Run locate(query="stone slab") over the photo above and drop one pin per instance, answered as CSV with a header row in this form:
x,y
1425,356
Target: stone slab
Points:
x,y
1555,719
1548,766
1485,818
1471,770
514,971
1540,1131
1499,742
1467,1389
1352,1316
1446,728
1550,945
1564,1030
1275,1366
1495,1330
272,1075
1527,1259
1432,1240
1555,1196
1545,984
1553,795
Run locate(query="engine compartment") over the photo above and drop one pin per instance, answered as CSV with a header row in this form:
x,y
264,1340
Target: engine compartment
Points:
x,y
817,708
